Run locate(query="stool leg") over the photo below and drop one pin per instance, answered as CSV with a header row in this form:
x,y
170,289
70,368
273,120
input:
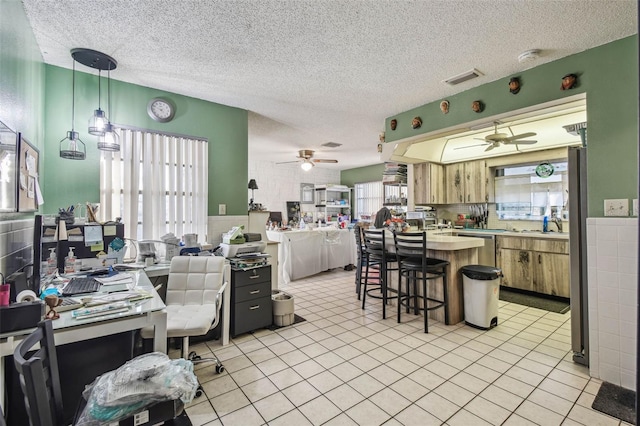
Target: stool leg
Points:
x,y
366,281
383,286
399,289
425,297
414,280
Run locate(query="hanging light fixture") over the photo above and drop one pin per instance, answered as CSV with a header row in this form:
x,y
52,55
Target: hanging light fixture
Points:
x,y
101,62
307,165
72,147
110,140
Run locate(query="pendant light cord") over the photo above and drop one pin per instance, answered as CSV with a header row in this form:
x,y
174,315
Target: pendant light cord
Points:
x,y
73,96
99,90
109,92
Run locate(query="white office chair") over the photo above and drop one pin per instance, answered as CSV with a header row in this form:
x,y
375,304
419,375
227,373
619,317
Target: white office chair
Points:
x,y
194,297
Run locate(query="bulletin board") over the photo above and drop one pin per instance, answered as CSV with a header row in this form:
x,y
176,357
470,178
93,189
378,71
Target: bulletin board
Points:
x,y
28,172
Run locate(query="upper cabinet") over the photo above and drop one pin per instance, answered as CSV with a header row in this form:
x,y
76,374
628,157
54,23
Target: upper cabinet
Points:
x,y
466,182
428,183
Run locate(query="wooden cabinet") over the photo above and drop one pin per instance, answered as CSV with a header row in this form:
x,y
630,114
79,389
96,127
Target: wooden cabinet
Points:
x,y
250,300
534,264
466,182
428,183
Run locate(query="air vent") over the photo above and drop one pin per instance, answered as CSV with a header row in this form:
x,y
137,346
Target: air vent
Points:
x,y
331,145
460,78
574,129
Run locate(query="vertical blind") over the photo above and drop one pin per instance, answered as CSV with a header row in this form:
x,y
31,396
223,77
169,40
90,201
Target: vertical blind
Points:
x,y
369,198
157,183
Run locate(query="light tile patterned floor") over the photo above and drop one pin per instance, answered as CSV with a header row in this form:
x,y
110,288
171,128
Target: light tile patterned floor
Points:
x,y
348,366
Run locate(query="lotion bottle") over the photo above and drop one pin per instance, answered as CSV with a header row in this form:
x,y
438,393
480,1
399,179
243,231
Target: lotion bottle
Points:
x,y
52,261
70,262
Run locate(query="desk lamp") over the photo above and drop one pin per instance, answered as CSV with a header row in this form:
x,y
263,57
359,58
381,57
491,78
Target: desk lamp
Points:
x,y
252,186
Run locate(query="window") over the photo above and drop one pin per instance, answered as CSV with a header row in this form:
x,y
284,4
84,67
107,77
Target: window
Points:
x,y
369,198
522,192
157,184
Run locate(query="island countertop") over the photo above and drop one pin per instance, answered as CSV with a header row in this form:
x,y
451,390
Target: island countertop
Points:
x,y
505,233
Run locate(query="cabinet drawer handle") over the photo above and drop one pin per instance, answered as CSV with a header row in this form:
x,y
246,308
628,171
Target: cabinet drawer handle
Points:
x,y
253,277
254,292
253,308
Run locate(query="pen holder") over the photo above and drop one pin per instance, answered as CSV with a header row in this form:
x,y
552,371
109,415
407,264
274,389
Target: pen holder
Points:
x,y
68,218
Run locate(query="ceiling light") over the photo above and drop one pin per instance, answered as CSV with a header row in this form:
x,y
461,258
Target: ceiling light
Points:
x,y
110,140
529,55
307,165
72,147
100,61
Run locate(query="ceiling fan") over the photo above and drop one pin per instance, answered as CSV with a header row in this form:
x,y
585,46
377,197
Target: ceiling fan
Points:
x,y
496,138
306,157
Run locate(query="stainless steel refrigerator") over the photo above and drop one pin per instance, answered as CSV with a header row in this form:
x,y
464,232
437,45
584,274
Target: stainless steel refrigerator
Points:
x,y
577,159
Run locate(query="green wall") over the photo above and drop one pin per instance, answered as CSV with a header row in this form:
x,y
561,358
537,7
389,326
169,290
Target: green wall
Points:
x,y
21,78
69,182
607,74
361,174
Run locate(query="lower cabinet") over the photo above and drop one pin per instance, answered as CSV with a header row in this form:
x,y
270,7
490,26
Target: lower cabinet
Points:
x,y
251,307
540,265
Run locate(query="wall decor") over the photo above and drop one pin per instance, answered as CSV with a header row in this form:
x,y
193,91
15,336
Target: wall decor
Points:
x,y
306,193
416,122
514,85
477,106
8,174
569,81
394,124
29,193
444,107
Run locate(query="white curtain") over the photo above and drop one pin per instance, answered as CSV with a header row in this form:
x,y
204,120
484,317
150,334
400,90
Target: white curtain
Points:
x,y
157,184
369,198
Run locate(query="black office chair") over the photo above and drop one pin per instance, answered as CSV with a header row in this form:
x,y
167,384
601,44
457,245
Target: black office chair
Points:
x,y
414,266
377,257
40,380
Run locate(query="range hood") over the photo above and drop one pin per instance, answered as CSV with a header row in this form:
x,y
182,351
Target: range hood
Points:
x,y
467,143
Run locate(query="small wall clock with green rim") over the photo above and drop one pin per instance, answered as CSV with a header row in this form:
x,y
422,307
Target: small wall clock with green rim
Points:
x,y
161,110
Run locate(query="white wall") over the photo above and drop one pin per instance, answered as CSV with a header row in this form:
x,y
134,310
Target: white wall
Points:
x,y
612,253
279,183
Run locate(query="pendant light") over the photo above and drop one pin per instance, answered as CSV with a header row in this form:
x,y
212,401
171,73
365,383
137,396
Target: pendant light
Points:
x,y
72,147
101,62
110,140
98,120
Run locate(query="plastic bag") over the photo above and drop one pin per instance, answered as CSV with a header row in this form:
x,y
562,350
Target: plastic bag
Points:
x,y
137,384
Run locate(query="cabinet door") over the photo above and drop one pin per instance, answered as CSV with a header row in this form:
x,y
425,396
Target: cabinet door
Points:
x,y
516,268
436,184
551,273
454,183
475,183
420,183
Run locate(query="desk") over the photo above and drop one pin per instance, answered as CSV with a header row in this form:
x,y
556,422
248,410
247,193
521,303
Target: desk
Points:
x,y
69,330
309,252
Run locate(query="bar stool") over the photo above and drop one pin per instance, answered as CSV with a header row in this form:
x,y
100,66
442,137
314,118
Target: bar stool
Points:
x,y
377,257
357,230
411,250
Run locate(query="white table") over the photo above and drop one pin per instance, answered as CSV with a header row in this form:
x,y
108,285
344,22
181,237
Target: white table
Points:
x,y
149,312
309,252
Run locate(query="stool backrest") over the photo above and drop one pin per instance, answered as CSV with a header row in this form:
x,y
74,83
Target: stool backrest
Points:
x,y
374,242
411,244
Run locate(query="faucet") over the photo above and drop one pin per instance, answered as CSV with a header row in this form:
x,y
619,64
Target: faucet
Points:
x,y
558,223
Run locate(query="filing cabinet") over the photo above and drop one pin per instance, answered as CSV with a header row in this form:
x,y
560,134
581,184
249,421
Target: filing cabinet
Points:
x,y
250,300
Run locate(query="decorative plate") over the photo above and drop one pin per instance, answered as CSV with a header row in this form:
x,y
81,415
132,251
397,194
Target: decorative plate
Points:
x,y
544,170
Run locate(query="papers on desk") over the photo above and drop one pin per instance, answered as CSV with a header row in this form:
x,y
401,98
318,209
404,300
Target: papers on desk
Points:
x,y
109,308
117,279
130,296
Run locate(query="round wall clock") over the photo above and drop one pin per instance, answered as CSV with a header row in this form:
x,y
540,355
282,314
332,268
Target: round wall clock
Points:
x,y
160,110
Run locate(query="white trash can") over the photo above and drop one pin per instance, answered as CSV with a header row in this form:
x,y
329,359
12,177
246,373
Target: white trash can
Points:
x,y
481,288
283,308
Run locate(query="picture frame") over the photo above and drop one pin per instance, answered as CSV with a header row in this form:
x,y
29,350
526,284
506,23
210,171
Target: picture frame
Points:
x,y
306,193
28,169
8,170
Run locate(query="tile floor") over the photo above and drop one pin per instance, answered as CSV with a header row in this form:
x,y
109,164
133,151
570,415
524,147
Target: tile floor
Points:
x,y
347,366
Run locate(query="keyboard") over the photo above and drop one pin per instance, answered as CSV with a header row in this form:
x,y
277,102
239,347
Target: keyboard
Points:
x,y
80,286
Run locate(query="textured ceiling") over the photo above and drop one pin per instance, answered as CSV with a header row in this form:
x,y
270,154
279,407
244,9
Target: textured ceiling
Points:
x,y
314,71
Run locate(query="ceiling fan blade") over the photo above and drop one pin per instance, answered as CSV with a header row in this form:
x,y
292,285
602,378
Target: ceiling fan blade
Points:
x,y
470,146
319,160
287,162
490,147
520,136
520,142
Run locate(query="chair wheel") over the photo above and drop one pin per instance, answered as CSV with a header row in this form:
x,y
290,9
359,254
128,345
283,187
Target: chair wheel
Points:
x,y
219,369
199,392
